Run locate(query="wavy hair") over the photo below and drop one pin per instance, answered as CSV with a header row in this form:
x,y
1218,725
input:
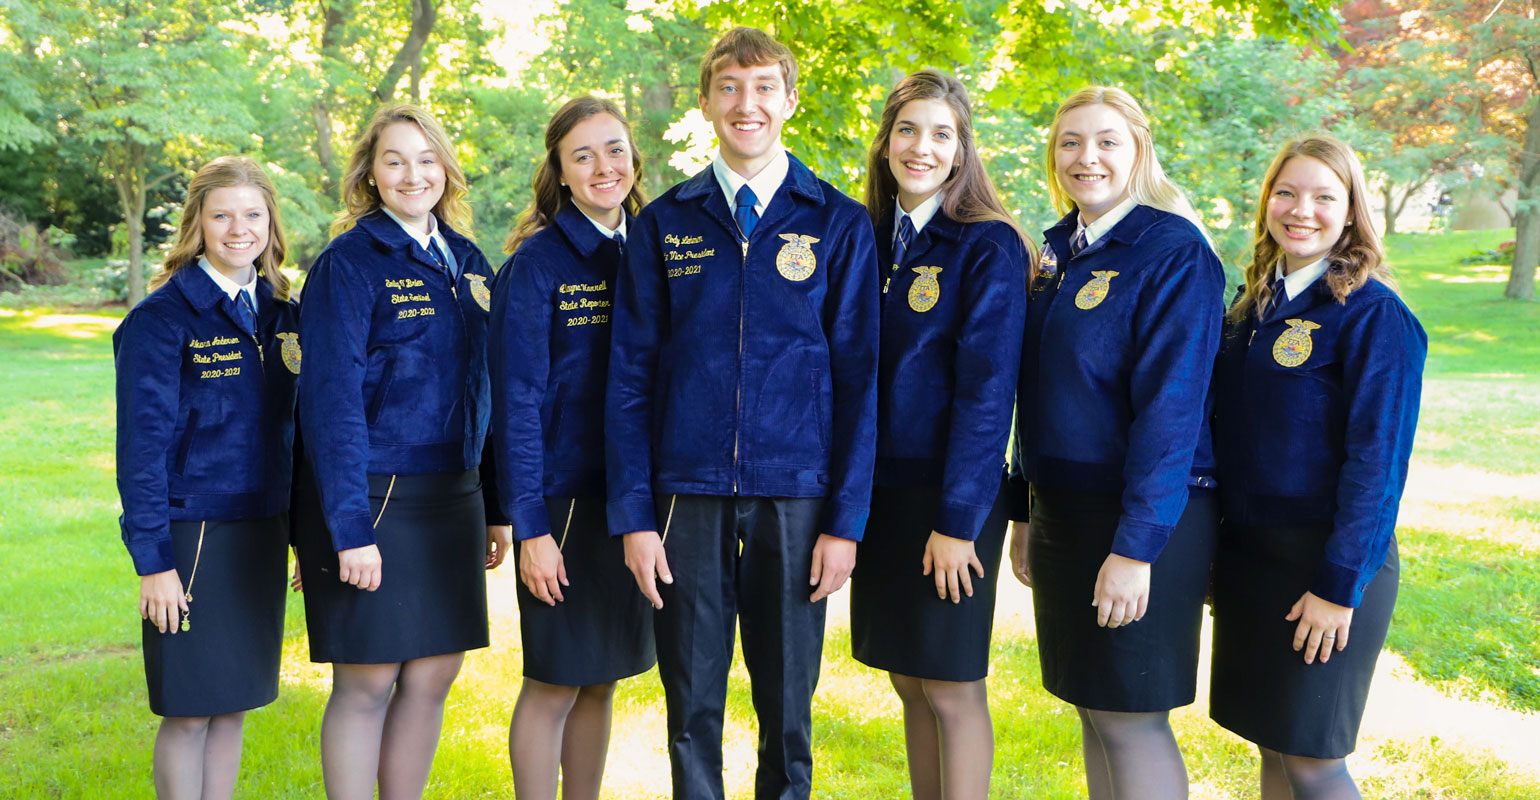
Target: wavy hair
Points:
x,y
1356,258
550,194
359,198
968,195
223,172
1147,183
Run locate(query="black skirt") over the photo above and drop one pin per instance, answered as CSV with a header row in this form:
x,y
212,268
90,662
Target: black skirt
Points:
x,y
227,660
1260,688
432,598
1150,665
897,622
602,630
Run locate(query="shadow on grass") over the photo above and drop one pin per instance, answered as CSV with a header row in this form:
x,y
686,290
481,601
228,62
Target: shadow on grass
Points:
x,y
1467,615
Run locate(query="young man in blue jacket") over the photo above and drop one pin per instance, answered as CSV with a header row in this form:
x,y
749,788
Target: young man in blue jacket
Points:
x,y
740,420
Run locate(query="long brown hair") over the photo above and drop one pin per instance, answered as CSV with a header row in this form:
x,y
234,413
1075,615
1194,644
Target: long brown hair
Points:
x,y
1356,258
359,198
968,194
1147,182
550,194
220,173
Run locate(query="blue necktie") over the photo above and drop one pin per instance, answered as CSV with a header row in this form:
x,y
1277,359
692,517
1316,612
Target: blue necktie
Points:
x,y
620,242
1280,296
1078,243
438,256
901,242
245,313
745,214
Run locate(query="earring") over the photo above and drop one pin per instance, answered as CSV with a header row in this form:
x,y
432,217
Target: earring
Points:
x,y
371,181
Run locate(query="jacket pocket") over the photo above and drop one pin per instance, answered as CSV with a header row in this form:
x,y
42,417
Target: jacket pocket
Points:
x,y
185,446
377,404
823,419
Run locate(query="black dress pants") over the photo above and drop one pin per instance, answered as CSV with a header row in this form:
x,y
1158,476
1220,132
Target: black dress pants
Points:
x,y
731,558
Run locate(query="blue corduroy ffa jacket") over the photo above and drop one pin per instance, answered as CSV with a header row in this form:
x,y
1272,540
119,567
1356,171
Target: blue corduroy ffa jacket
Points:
x,y
205,412
549,355
745,368
1315,410
396,374
952,319
1115,369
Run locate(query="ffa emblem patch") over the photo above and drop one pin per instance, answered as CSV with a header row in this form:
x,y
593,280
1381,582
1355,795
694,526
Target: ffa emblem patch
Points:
x,y
926,290
796,261
1092,294
1293,346
290,351
480,291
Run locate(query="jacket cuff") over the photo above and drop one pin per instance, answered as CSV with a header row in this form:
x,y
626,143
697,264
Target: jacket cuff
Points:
x,y
631,514
1018,499
1338,584
153,557
351,532
844,521
530,521
1141,541
960,520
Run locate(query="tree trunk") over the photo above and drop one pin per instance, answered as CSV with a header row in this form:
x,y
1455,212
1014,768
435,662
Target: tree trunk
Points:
x,y
424,14
128,178
334,17
1526,252
1390,209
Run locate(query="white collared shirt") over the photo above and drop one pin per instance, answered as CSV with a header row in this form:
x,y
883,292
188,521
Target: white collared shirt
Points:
x,y
606,232
764,184
1105,222
921,214
422,238
1300,279
228,286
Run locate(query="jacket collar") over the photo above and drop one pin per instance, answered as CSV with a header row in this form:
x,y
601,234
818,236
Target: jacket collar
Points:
x,y
580,230
799,180
199,288
940,228
388,232
1127,231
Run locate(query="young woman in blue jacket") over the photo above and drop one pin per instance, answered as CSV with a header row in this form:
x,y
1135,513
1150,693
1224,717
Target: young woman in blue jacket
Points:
x,y
1112,437
394,532
954,297
583,625
1315,405
206,372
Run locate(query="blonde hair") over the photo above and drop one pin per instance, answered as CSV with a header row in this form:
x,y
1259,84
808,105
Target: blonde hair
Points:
x,y
359,198
968,194
1147,183
550,194
223,172
1357,256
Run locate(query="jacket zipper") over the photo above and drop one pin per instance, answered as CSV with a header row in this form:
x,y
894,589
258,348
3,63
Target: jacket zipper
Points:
x,y
743,276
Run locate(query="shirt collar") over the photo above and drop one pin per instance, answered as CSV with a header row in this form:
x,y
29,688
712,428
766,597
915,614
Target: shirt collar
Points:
x,y
1300,279
229,287
1105,222
418,236
920,216
764,184
608,233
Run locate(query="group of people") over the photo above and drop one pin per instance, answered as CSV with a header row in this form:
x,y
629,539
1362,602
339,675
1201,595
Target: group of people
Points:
x,y
705,412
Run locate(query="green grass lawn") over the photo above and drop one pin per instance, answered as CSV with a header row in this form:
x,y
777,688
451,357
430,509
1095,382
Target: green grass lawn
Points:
x,y
74,720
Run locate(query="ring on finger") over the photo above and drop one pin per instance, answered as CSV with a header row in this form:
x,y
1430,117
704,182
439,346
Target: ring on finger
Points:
x,y
1329,636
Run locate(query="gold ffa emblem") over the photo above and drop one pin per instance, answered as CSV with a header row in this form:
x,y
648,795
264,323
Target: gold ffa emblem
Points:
x,y
1293,345
1092,294
925,292
290,351
796,261
480,291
